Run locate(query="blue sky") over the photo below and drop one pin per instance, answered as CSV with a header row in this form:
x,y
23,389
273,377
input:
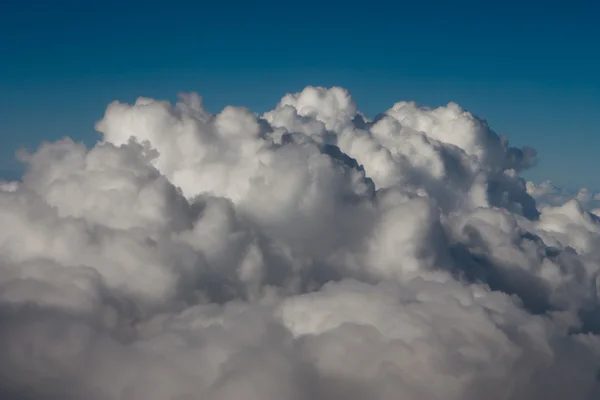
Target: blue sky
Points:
x,y
532,69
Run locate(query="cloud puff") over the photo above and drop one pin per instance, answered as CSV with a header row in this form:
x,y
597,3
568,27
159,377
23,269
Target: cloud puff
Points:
x,y
307,253
546,194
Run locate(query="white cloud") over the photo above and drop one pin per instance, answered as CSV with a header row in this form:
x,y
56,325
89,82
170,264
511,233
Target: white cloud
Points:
x,y
546,194
308,253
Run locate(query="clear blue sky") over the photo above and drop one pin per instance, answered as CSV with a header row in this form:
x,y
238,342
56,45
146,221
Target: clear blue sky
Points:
x,y
532,69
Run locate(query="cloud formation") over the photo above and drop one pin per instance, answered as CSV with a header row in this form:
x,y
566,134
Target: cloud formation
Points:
x,y
306,253
546,194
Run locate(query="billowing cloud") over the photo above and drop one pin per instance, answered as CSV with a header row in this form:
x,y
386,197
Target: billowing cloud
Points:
x,y
546,194
306,253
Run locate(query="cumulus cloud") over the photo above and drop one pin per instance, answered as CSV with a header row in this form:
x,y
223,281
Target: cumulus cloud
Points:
x,y
547,194
306,253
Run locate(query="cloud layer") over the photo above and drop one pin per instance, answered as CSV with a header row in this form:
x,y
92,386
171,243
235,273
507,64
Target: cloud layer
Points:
x,y
307,253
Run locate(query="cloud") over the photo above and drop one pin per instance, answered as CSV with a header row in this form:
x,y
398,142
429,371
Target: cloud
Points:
x,y
307,253
546,194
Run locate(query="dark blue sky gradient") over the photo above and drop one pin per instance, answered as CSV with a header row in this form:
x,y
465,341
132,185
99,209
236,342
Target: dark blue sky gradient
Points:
x,y
530,68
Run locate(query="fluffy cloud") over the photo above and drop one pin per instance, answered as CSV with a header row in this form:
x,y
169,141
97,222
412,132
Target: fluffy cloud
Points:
x,y
306,253
546,194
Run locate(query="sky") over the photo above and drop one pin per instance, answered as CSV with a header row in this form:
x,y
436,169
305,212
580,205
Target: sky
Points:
x,y
530,70
202,251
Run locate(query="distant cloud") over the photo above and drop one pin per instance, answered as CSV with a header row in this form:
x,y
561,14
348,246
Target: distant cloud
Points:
x,y
308,253
547,194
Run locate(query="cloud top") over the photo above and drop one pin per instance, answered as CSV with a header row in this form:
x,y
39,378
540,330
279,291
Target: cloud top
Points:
x,y
307,253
